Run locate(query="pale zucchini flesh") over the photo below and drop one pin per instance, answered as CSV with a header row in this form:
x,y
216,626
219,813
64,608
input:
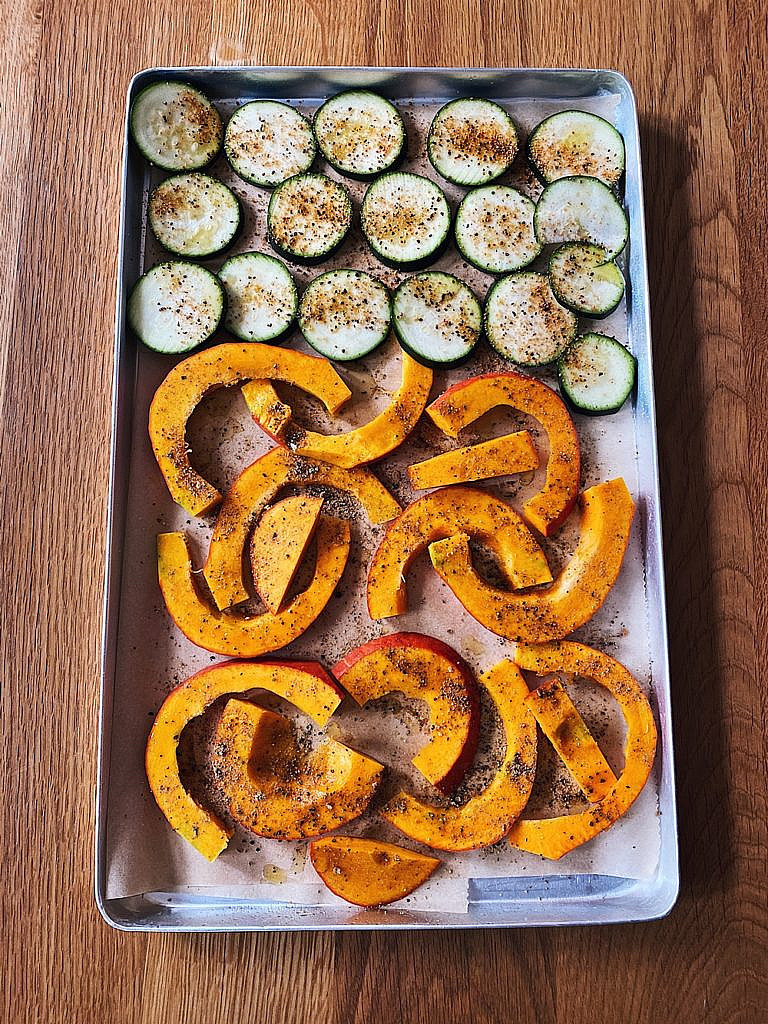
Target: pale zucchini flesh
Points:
x,y
494,229
471,141
525,323
345,314
176,126
581,209
308,217
176,306
597,374
584,281
194,215
405,218
267,142
360,133
574,142
437,318
262,300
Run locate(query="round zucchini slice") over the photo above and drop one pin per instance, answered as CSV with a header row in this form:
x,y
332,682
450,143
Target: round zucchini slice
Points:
x,y
176,126
584,281
406,219
581,209
345,314
262,299
494,229
308,217
359,133
176,306
267,142
524,321
437,318
194,215
471,141
574,142
597,374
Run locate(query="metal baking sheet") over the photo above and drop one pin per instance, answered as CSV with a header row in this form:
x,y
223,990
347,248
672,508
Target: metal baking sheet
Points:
x,y
493,902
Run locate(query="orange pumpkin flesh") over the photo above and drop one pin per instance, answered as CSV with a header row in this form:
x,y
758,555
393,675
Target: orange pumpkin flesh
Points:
x,y
369,873
466,401
305,684
554,837
564,727
425,668
577,593
276,790
278,545
222,366
372,441
512,453
487,817
254,489
443,513
238,636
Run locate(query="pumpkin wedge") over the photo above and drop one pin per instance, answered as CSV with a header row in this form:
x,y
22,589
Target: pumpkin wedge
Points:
x,y
425,668
239,636
512,453
369,873
278,545
554,837
443,513
486,818
577,593
305,684
275,789
218,367
372,441
561,723
254,489
466,401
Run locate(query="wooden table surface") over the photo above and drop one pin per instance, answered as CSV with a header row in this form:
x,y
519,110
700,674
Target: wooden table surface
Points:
x,y
700,76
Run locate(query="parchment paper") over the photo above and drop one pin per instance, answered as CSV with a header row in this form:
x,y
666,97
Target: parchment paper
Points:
x,y
143,854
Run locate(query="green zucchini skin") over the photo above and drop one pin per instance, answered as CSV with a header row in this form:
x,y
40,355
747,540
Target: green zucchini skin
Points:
x,y
345,314
240,135
284,193
191,182
575,201
546,149
597,374
493,154
443,285
259,264
505,211
409,186
536,329
179,99
194,319
388,162
588,260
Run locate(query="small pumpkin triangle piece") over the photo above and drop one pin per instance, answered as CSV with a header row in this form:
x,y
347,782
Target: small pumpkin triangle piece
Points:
x,y
278,545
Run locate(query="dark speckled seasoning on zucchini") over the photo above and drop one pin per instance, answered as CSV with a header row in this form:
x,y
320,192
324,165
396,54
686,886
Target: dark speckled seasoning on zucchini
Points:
x,y
360,133
437,318
574,142
267,142
176,306
176,126
262,299
524,321
581,209
597,374
406,220
471,141
584,280
308,217
494,229
345,314
194,215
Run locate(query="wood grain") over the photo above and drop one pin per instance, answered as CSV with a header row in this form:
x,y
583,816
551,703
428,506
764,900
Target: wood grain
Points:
x,y
700,76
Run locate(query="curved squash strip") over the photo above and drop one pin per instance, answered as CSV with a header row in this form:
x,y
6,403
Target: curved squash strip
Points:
x,y
566,730
372,441
501,456
487,817
235,635
441,514
426,669
222,366
467,401
577,593
367,872
305,684
255,488
276,790
554,837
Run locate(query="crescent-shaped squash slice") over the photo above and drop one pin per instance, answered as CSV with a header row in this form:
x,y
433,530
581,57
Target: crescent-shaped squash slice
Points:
x,y
255,488
512,453
577,593
425,668
486,818
468,400
278,545
443,513
554,837
222,366
372,441
239,636
369,873
566,730
305,684
275,789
